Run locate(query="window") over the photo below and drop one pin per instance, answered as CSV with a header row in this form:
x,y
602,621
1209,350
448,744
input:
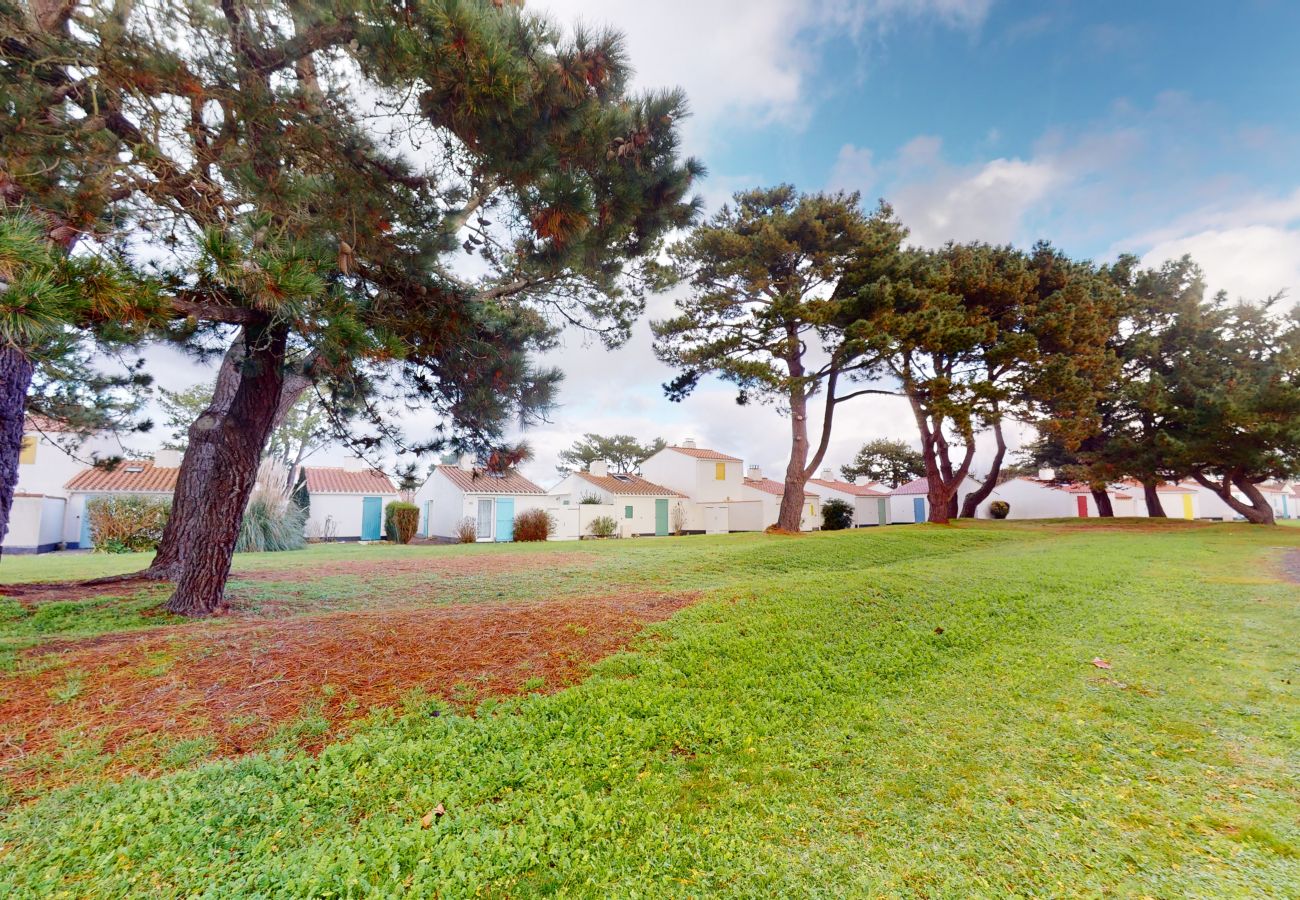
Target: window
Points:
x,y
627,512
812,509
623,478
719,471
27,450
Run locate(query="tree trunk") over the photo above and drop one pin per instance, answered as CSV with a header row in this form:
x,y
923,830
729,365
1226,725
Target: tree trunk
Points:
x,y
15,379
227,464
790,515
973,500
1105,509
1152,496
1258,512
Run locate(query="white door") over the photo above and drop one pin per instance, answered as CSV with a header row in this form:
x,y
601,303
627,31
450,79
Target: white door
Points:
x,y
485,519
716,520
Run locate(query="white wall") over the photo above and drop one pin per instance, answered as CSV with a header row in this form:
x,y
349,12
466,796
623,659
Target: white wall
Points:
x,y
344,510
442,506
35,524
696,478
53,467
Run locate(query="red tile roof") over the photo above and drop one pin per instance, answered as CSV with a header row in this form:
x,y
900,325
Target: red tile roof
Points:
x,y
337,480
770,486
128,476
480,481
38,422
701,453
916,486
628,485
1162,488
846,487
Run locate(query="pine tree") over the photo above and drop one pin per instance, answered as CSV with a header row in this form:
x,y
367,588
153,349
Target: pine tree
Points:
x,y
886,461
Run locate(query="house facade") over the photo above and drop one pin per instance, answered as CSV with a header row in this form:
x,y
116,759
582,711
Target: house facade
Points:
x,y
154,478
910,503
346,503
453,493
715,484
870,504
42,516
1042,498
641,507
769,493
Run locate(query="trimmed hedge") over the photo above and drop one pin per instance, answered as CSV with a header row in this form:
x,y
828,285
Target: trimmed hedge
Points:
x,y
534,525
401,522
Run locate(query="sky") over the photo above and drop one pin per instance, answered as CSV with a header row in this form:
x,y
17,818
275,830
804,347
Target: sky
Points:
x,y
1157,128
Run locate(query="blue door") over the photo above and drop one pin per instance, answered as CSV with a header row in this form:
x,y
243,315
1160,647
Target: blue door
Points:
x,y
918,509
83,542
372,516
505,518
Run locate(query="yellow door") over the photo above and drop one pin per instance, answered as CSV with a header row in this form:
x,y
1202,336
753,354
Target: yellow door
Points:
x,y
1187,506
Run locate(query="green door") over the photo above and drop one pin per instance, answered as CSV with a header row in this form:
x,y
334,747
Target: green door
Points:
x,y
882,511
661,517
372,518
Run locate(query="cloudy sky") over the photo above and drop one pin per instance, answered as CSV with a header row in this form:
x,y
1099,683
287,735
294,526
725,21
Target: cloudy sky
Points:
x,y
1159,128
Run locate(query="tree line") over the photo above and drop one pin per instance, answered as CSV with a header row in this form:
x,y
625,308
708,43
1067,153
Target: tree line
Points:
x,y
1125,371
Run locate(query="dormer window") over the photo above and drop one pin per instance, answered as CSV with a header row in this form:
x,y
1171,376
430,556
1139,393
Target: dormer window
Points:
x,y
135,470
623,478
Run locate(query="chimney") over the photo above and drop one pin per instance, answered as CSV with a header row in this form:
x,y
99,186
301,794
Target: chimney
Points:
x,y
598,467
827,474
167,459
689,443
466,462
354,464
1046,474
754,473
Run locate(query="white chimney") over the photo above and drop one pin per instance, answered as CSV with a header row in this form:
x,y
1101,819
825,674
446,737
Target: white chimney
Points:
x,y
167,459
466,462
1046,474
354,464
598,467
689,443
827,474
755,473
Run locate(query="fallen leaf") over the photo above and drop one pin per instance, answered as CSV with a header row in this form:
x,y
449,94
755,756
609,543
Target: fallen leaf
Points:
x,y
435,813
1100,663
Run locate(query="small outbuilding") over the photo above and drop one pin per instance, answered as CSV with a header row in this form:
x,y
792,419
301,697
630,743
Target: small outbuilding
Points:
x,y
490,500
769,493
641,507
870,505
346,503
155,478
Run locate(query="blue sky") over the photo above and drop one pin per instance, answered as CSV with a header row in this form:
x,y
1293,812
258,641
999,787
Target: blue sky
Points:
x,y
1153,127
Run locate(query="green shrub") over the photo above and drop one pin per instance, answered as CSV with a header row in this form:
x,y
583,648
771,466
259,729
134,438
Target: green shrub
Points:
x,y
534,525
603,526
401,521
124,523
836,515
999,509
271,525
466,531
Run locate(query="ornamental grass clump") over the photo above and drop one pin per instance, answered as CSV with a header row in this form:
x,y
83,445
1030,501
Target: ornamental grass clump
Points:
x,y
127,524
603,526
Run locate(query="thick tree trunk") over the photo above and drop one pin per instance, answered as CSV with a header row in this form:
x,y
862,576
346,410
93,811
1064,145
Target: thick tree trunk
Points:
x,y
15,380
1155,509
1257,512
942,481
971,504
1105,509
790,515
227,463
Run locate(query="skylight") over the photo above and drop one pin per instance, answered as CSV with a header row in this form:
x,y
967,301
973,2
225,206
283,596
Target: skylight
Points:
x,y
623,478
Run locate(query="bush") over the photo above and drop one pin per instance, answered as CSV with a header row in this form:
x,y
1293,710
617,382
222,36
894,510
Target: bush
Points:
x,y
999,509
534,525
271,525
401,522
590,500
836,515
127,524
603,526
466,531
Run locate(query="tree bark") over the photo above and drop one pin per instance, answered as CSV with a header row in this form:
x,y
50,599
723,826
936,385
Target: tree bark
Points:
x,y
796,478
15,380
971,504
1105,509
942,481
1258,512
1155,509
228,461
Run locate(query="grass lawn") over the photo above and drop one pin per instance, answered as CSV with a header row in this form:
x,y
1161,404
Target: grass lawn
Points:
x,y
899,712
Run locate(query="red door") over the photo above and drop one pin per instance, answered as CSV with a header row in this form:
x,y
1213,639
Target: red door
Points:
x,y
1083,507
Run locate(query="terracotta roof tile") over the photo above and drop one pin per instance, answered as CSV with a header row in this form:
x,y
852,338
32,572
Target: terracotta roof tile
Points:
x,y
128,476
480,481
337,480
628,485
771,486
701,453
846,487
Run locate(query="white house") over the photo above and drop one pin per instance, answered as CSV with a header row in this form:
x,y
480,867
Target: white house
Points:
x,y
347,502
640,506
870,505
715,484
491,500
910,503
50,456
1177,501
136,477
1042,498
1279,497
768,492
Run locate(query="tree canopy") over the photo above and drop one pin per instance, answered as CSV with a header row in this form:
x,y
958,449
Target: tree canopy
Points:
x,y
887,461
623,452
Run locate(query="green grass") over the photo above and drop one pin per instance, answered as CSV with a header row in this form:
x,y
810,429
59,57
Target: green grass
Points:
x,y
898,712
